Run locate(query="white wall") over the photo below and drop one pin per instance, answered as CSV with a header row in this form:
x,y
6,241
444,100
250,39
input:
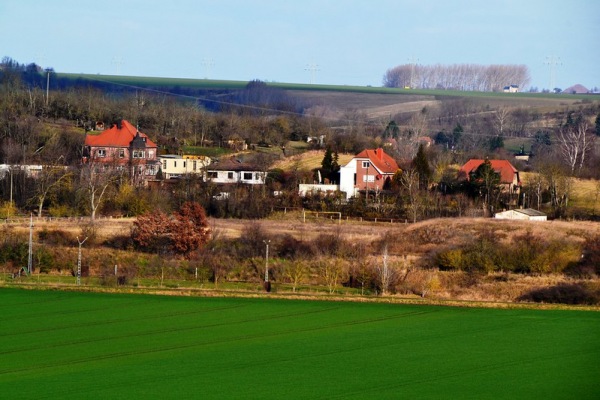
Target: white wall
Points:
x,y
347,173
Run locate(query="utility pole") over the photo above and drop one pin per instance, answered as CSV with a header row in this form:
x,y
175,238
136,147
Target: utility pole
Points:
x,y
207,63
313,68
412,61
79,260
267,283
30,251
47,85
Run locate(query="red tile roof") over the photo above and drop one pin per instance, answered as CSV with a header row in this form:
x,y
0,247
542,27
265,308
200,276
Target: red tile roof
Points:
x,y
115,137
380,160
503,167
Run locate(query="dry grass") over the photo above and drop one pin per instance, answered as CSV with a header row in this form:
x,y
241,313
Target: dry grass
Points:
x,y
585,193
307,161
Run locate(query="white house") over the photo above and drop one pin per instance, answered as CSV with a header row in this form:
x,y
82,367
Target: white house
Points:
x,y
175,166
233,171
511,89
527,214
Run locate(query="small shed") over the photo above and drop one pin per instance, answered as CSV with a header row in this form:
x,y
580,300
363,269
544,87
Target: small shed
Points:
x,y
527,214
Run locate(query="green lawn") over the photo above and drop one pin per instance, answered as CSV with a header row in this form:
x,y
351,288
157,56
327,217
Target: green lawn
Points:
x,y
90,345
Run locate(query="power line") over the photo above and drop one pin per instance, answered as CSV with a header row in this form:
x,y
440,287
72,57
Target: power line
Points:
x,y
552,62
294,113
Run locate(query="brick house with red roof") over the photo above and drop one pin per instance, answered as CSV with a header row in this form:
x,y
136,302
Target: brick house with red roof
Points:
x,y
370,170
123,147
509,176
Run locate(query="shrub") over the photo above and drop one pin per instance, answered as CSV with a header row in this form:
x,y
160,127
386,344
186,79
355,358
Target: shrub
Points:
x,y
57,237
563,293
450,259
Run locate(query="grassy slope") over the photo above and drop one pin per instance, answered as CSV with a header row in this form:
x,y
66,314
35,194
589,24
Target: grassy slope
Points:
x,y
585,193
76,345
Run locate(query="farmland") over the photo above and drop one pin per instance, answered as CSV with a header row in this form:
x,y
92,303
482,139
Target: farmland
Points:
x,y
92,345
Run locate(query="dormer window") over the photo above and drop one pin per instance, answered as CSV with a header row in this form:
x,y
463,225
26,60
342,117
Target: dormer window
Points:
x,y
366,164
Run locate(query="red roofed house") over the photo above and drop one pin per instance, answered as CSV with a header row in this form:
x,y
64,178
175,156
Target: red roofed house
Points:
x,y
509,176
369,170
123,147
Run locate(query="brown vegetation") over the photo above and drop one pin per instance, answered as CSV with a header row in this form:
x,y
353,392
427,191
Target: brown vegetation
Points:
x,y
346,258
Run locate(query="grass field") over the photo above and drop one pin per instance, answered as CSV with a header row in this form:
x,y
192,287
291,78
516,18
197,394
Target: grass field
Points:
x,y
91,345
227,84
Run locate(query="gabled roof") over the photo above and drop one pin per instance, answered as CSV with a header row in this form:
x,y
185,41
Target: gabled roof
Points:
x,y
117,137
503,167
380,160
233,164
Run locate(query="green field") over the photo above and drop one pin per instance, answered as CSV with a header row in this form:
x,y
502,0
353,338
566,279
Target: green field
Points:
x,y
91,345
209,84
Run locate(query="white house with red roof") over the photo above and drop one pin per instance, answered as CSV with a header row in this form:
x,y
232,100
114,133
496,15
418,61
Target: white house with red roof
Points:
x,y
370,170
123,147
509,176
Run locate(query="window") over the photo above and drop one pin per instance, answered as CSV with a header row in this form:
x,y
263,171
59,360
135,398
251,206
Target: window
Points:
x,y
184,163
257,176
164,164
213,174
195,165
174,164
101,153
368,178
139,154
247,176
121,153
366,164
230,175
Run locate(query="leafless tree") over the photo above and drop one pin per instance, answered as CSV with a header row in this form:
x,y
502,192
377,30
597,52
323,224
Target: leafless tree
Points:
x,y
385,271
334,270
409,181
96,180
575,143
457,76
50,178
296,270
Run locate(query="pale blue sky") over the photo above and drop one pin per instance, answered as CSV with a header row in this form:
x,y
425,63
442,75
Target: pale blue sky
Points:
x,y
353,42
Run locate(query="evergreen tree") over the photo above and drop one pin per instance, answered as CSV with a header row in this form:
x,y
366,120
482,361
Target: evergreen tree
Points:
x,y
391,130
421,165
457,134
330,166
598,125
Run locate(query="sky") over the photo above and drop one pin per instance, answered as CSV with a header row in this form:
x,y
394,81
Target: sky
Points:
x,y
338,42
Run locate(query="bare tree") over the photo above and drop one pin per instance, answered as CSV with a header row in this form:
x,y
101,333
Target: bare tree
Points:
x,y
385,272
334,270
501,118
48,180
575,143
96,179
296,270
410,184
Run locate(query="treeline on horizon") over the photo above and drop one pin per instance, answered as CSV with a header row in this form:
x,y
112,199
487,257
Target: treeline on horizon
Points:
x,y
465,77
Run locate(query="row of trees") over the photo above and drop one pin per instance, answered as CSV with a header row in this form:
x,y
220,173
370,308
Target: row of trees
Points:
x,y
467,77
